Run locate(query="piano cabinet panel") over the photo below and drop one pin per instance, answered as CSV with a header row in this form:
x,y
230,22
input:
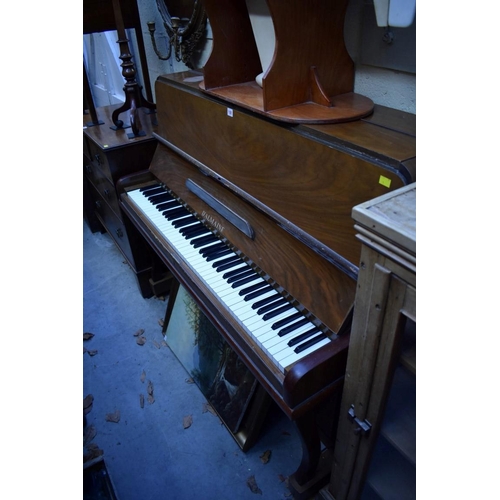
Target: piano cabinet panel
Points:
x,y
323,370
273,250
308,176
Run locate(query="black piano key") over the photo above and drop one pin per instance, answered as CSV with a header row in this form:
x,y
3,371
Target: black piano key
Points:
x,y
193,231
227,260
277,302
286,320
167,205
202,240
242,273
215,256
175,213
235,272
309,343
258,291
244,281
276,312
265,301
250,290
303,336
225,264
159,198
209,247
148,190
184,222
144,189
189,235
215,248
292,328
154,191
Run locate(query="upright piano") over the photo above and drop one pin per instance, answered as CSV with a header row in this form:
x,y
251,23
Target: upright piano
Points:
x,y
253,217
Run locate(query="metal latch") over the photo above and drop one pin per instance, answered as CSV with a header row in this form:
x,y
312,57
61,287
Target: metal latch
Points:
x,y
362,426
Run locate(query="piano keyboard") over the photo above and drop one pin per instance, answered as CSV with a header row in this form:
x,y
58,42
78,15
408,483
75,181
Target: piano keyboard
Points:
x,y
281,330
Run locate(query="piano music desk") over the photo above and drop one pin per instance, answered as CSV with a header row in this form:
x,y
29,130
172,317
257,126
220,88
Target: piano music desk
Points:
x,y
108,155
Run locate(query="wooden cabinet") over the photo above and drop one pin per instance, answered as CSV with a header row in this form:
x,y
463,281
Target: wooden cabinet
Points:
x,y
374,456
109,155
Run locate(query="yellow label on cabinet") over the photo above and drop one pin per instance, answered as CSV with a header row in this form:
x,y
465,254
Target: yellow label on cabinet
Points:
x,y
384,181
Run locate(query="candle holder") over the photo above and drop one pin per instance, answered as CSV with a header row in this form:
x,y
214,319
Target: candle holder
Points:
x,y
183,33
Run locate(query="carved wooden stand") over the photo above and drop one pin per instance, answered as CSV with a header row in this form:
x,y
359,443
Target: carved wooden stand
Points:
x,y
311,76
133,93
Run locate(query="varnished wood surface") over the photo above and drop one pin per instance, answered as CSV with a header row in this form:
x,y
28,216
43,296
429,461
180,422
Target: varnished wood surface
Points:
x,y
309,177
345,107
303,273
112,151
393,119
107,138
234,57
390,147
308,34
311,75
381,143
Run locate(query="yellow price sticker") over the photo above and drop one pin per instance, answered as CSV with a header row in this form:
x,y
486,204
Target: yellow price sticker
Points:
x,y
384,181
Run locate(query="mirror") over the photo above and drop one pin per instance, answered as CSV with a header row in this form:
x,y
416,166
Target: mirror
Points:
x,y
184,22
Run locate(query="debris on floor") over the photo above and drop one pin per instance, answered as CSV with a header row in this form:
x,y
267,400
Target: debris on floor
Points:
x,y
113,417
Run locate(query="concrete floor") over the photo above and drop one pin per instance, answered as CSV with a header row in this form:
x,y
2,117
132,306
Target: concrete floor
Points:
x,y
148,452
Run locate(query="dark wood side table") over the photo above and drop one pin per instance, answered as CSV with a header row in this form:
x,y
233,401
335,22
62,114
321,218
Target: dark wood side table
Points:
x,y
375,451
109,155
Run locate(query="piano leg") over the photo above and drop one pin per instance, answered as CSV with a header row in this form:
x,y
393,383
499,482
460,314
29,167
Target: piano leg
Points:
x,y
311,447
314,470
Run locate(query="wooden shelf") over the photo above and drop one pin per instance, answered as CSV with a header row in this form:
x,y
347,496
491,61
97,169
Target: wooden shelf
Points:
x,y
345,107
389,476
311,76
399,422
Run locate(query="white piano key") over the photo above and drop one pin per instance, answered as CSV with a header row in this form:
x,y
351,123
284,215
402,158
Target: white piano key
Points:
x,y
289,360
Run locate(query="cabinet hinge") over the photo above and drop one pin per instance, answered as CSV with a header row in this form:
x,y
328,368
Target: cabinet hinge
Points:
x,y
361,426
